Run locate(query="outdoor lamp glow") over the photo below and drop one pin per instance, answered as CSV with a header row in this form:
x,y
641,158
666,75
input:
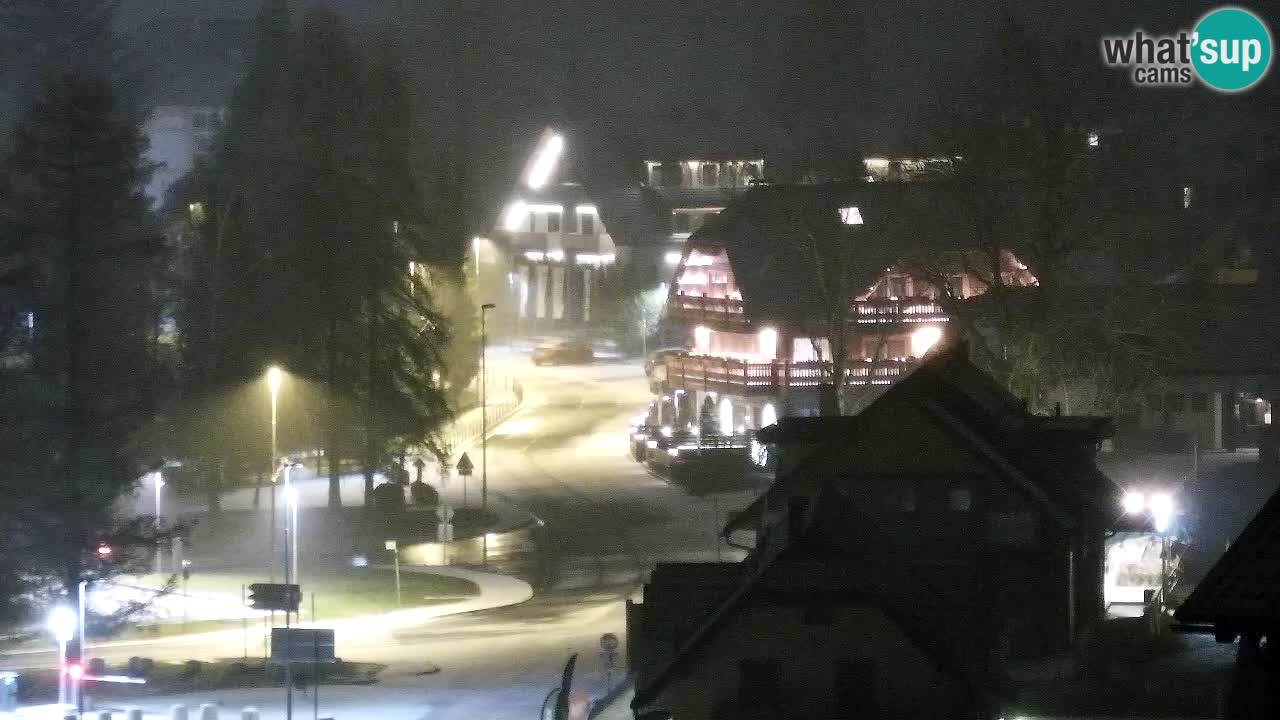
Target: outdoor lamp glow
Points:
x,y
1162,510
62,623
275,376
1134,502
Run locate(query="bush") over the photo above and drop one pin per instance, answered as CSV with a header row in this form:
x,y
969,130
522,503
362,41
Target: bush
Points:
x,y
140,666
97,666
192,668
388,497
424,494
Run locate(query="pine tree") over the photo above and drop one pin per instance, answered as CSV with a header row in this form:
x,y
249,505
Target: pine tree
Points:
x,y
81,240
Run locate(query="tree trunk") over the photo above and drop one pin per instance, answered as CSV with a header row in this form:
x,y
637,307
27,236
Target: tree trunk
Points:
x,y
214,480
370,408
331,444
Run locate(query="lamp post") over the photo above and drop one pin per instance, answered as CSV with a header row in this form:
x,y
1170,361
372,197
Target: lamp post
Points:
x,y
291,521
62,623
275,376
158,479
484,411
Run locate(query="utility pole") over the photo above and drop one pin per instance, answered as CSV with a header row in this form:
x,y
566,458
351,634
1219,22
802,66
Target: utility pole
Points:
x,y
484,412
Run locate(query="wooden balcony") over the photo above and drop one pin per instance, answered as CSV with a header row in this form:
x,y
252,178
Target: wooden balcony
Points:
x,y
698,309
744,378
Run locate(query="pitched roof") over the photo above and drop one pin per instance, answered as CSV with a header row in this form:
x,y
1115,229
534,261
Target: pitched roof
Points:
x,y
1241,593
965,402
780,239
870,570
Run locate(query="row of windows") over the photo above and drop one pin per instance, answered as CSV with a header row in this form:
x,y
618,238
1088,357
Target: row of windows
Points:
x,y
1177,402
551,221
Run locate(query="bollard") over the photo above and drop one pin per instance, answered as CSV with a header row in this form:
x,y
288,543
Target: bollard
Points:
x,y
133,714
249,713
208,711
178,712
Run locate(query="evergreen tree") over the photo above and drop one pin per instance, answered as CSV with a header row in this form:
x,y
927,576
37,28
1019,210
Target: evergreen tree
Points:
x,y
82,249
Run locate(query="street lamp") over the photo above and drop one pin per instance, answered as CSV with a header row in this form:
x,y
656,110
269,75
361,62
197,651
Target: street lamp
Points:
x,y
62,623
158,479
275,376
484,411
290,522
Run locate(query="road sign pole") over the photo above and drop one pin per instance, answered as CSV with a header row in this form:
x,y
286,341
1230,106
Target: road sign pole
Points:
x,y
288,662
315,663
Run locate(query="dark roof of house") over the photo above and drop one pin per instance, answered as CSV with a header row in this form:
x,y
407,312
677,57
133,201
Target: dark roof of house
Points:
x,y
1241,593
968,403
844,553
781,238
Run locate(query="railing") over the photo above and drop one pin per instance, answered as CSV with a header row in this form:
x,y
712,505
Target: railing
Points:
x,y
864,312
745,377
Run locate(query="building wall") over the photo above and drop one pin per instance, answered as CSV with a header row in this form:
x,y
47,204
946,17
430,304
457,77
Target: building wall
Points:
x,y
905,682
176,136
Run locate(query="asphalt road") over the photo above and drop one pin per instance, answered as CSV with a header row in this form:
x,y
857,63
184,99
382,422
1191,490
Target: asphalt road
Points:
x,y
564,457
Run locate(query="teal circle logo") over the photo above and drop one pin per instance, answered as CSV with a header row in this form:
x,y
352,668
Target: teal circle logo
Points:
x,y
1231,49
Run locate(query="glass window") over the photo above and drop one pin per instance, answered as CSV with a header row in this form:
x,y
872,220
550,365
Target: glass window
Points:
x,y
587,224
1199,403
709,174
553,222
959,498
672,174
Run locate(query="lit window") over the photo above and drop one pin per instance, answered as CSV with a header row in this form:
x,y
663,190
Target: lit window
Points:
x,y
959,498
850,216
1093,139
553,222
1186,197
586,224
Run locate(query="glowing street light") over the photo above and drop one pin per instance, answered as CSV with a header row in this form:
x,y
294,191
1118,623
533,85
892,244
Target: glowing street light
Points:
x,y
1134,502
544,161
1162,511
62,623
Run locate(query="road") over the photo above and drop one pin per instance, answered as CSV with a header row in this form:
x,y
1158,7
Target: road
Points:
x,y
564,457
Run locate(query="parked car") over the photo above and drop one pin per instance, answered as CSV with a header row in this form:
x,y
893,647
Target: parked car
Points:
x,y
563,352
658,357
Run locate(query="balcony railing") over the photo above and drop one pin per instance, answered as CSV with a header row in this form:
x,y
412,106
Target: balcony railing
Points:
x,y
864,312
742,377
696,308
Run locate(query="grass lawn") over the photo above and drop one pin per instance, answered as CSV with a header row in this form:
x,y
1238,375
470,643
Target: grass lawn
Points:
x,y
339,593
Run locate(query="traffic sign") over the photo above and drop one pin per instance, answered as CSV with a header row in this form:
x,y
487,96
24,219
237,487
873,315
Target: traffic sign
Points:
x,y
444,532
609,643
465,466
302,645
444,513
275,596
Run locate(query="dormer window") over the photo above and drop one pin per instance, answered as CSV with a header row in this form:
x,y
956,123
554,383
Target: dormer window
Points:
x,y
850,216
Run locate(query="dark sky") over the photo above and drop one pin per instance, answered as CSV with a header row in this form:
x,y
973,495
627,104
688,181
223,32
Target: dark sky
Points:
x,y
712,61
